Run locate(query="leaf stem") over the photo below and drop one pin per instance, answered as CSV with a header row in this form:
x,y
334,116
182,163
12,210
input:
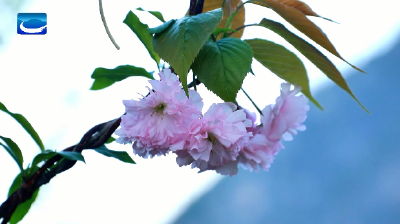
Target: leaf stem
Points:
x,y
254,104
105,25
241,27
214,38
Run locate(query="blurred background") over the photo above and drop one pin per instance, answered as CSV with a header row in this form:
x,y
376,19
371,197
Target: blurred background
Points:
x,y
344,169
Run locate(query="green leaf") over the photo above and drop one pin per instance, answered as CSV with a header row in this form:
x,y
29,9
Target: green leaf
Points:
x,y
161,28
23,208
111,139
72,155
122,156
180,43
12,148
140,29
42,157
312,54
222,66
285,64
26,125
158,15
104,77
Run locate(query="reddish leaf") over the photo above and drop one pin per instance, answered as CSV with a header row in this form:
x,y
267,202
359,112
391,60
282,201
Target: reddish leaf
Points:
x,y
301,6
312,54
299,20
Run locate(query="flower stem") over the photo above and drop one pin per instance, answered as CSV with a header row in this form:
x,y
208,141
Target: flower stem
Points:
x,y
254,104
194,80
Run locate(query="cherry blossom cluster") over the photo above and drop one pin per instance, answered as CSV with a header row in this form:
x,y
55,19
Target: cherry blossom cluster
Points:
x,y
222,138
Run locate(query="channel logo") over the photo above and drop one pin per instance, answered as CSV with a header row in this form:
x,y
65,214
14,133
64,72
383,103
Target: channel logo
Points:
x,y
31,23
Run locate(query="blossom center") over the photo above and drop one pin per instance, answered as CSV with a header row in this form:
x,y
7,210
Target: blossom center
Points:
x,y
159,109
211,138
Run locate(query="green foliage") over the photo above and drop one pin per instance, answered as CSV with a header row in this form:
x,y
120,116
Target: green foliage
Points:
x,y
229,7
311,53
122,156
25,124
111,139
181,42
161,28
41,157
223,65
14,151
283,63
140,29
158,15
104,77
72,155
23,208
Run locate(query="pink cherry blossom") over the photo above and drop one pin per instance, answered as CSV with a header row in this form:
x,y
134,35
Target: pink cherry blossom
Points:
x,y
279,121
259,152
160,120
216,139
282,120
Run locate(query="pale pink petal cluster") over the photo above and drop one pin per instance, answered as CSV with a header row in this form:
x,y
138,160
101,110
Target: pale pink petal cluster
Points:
x,y
279,121
166,120
216,139
160,120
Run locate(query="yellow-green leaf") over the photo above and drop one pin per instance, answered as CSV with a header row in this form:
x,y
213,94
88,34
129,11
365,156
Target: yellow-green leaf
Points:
x,y
311,53
285,64
299,20
302,7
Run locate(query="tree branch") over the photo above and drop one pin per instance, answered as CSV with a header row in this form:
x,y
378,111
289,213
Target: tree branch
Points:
x,y
192,7
199,7
196,7
94,138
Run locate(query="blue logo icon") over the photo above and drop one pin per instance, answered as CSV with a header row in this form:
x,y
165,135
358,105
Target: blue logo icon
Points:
x,y
31,23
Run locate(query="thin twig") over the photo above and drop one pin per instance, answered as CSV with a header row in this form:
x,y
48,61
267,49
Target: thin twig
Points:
x,y
241,27
194,80
105,25
194,83
254,104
